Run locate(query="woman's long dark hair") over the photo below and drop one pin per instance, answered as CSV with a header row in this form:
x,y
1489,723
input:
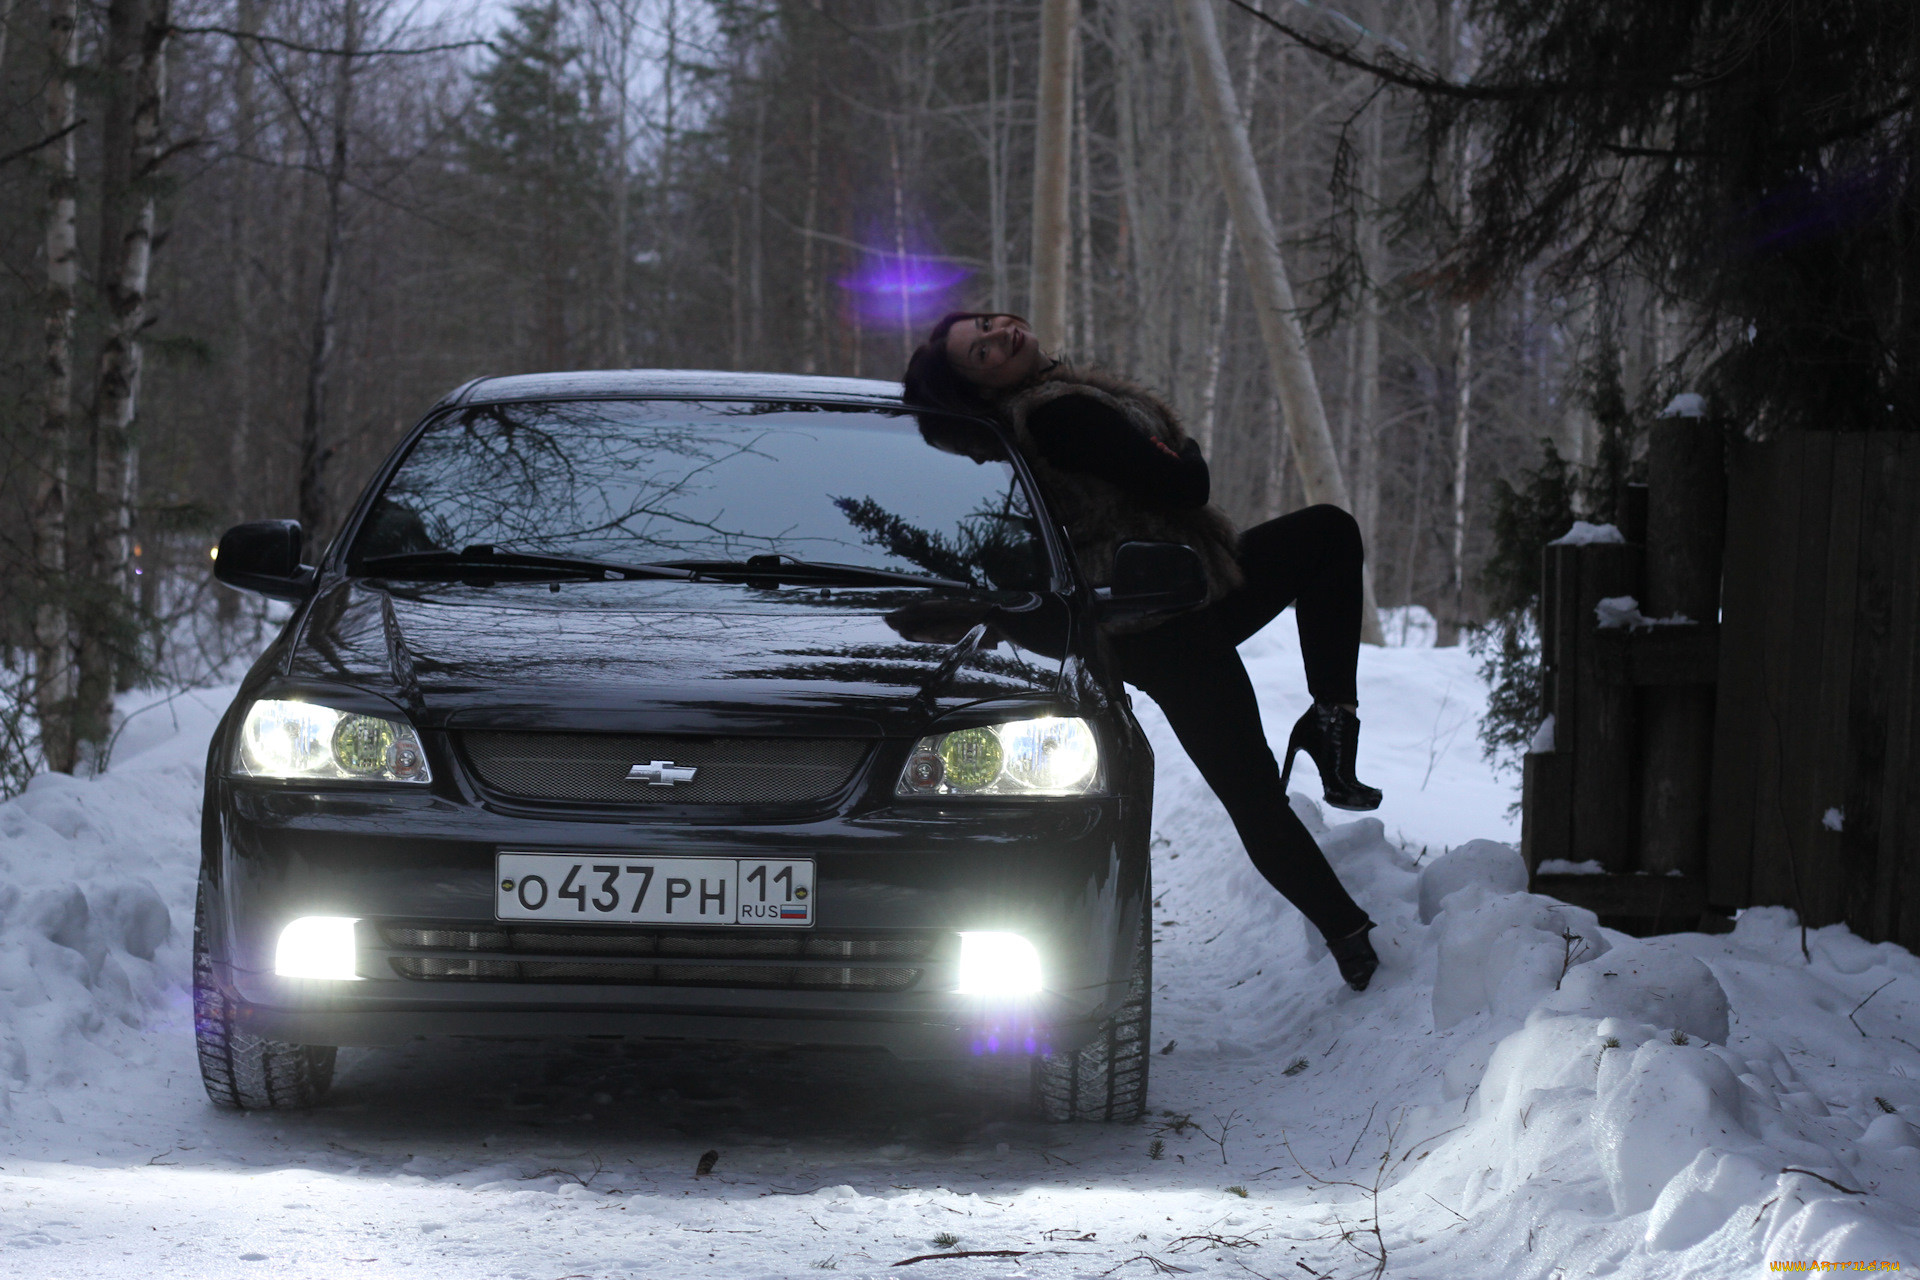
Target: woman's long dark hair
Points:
x,y
932,381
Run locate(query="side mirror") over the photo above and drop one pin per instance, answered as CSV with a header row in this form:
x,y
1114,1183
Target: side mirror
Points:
x,y
264,556
1154,577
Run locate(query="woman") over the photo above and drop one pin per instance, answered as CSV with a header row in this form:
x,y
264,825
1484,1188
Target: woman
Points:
x,y
1116,467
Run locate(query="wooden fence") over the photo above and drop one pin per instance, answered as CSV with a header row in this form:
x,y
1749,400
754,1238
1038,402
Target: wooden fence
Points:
x,y
1768,760
1815,801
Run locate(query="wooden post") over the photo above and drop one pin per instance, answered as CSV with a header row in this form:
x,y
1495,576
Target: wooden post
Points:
x,y
1599,708
1686,525
1578,798
1546,785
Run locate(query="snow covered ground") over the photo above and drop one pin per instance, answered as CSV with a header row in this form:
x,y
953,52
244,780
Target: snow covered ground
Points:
x,y
1691,1106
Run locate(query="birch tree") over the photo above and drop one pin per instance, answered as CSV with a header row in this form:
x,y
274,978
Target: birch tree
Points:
x,y
137,47
53,624
1456,42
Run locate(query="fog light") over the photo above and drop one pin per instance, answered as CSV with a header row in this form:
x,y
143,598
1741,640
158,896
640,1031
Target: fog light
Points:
x,y
998,964
317,947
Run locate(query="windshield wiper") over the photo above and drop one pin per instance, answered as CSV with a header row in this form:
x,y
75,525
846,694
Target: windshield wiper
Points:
x,y
784,568
481,561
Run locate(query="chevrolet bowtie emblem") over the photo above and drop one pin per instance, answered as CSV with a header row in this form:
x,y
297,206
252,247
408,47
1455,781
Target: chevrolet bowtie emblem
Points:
x,y
661,773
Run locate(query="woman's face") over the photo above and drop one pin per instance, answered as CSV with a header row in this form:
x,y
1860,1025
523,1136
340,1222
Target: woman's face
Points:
x,y
994,352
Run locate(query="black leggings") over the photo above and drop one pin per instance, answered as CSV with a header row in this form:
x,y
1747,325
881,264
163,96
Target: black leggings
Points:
x,y
1189,665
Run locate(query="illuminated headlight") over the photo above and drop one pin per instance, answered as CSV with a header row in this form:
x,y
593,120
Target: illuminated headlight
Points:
x,y
306,740
998,964
1050,756
317,947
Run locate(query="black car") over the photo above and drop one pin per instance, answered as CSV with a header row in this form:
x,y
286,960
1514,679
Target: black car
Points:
x,y
687,707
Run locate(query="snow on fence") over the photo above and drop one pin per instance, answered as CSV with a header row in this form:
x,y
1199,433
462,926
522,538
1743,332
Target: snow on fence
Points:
x,y
1738,730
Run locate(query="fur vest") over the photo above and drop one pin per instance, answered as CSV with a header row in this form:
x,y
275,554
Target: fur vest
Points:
x,y
1098,514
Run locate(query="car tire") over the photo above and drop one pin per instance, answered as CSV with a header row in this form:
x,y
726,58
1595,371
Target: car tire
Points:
x,y
241,1070
1106,1078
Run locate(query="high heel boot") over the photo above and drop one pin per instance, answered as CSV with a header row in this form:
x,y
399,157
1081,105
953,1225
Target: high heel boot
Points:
x,y
1355,956
1331,736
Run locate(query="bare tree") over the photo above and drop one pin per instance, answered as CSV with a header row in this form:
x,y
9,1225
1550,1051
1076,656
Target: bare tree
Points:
x,y
1052,164
1456,36
1306,416
1083,335
241,222
996,152
53,626
617,24
1366,441
1223,266
314,449
137,35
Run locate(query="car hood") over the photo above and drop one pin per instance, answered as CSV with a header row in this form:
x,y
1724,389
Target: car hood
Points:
x,y
669,657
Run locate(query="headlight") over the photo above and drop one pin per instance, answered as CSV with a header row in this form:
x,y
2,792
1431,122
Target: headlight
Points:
x,y
1050,756
305,740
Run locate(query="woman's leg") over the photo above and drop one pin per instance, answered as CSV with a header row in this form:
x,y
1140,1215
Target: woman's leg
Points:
x,y
1310,559
1190,668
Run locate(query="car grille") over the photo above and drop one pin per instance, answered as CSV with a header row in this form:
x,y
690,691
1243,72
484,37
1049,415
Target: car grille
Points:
x,y
772,961
592,768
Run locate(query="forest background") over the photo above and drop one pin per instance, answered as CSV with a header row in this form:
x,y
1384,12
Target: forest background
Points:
x,y
244,244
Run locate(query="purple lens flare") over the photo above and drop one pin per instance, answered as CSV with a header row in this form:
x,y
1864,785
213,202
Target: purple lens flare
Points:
x,y
911,286
1029,1040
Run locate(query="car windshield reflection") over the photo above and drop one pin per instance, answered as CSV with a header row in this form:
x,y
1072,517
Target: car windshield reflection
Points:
x,y
624,482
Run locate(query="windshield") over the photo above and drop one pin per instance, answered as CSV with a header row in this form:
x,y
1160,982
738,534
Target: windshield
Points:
x,y
636,481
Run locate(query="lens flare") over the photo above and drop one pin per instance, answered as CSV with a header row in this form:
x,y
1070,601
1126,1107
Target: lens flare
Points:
x,y
911,286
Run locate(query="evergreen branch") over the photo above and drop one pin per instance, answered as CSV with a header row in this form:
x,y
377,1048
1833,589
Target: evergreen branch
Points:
x,y
1395,72
1838,133
1409,75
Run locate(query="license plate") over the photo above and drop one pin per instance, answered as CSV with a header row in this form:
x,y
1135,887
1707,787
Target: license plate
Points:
x,y
624,889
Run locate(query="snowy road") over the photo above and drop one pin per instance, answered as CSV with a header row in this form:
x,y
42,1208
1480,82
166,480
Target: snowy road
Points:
x,y
1613,1126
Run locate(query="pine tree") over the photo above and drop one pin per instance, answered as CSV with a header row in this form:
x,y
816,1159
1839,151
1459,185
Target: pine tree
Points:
x,y
538,144
1756,162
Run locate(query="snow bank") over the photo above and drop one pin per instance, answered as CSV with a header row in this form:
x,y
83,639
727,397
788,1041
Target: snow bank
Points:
x,y
1543,1096
95,917
1591,1103
1496,867
1634,1091
1502,955
1645,982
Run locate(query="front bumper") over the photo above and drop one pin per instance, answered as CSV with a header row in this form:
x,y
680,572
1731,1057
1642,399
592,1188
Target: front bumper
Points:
x,y
1067,875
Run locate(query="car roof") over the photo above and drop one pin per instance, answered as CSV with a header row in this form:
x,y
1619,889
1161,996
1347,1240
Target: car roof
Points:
x,y
674,384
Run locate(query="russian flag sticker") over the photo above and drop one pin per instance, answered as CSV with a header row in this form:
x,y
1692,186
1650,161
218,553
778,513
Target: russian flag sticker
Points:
x,y
794,911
